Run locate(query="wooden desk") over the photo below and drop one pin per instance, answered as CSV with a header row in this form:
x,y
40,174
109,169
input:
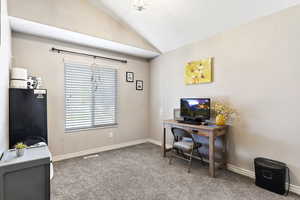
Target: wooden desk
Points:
x,y
212,132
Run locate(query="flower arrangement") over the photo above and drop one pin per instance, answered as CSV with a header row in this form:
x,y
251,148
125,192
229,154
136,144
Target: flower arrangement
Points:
x,y
223,112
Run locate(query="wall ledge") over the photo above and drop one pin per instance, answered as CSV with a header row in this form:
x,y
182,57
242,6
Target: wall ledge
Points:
x,y
46,31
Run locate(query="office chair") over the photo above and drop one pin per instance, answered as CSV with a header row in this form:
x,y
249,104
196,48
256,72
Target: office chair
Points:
x,y
183,146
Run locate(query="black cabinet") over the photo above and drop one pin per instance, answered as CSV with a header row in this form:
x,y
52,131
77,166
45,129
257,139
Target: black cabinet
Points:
x,y
27,116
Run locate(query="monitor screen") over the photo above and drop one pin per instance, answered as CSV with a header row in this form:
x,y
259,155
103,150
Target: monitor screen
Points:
x,y
195,108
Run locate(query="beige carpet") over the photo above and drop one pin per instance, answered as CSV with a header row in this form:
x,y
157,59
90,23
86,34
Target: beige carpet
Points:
x,y
140,173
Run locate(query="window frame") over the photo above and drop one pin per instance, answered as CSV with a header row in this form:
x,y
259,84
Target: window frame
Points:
x,y
94,126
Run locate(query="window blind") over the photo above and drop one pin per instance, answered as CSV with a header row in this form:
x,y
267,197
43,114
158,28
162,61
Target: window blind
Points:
x,y
90,96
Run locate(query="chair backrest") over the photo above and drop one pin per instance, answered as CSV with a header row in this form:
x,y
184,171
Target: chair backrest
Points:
x,y
197,138
179,133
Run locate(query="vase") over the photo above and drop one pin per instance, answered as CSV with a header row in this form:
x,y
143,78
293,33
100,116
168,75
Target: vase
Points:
x,y
20,152
220,120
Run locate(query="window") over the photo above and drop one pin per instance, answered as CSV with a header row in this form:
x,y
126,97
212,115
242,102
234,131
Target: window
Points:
x,y
90,96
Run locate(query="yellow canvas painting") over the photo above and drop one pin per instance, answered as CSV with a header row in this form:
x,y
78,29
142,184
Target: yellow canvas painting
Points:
x,y
198,72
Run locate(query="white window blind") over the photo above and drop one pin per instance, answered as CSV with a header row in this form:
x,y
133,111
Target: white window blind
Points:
x,y
90,96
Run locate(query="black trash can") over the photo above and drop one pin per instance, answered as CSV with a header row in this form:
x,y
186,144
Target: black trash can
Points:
x,y
271,175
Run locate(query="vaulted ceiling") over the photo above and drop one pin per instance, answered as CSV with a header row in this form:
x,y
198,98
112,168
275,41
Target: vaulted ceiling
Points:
x,y
169,24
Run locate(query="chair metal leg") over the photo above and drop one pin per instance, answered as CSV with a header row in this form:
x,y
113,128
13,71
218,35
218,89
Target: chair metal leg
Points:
x,y
190,161
170,159
202,161
201,157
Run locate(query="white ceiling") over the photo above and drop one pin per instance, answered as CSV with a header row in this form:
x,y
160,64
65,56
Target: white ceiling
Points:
x,y
169,24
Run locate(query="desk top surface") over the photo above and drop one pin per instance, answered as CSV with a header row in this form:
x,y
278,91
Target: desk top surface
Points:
x,y
206,127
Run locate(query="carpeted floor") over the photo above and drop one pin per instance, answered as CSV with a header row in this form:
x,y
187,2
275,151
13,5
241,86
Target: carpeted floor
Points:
x,y
140,173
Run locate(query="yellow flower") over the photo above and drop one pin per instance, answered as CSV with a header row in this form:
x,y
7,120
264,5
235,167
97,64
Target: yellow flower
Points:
x,y
223,109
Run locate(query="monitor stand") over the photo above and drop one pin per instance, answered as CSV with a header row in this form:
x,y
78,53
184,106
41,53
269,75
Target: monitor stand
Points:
x,y
197,121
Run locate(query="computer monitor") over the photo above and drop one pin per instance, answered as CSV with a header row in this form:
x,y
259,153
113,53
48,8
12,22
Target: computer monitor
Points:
x,y
195,109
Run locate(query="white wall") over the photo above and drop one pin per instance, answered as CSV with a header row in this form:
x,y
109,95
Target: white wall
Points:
x,y
33,53
256,68
5,54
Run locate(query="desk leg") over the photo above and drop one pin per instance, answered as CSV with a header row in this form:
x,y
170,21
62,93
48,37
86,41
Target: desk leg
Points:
x,y
164,143
224,143
212,155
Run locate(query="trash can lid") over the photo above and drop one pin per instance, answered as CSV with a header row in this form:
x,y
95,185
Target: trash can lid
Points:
x,y
265,162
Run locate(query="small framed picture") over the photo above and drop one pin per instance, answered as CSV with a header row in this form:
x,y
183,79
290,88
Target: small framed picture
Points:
x,y
139,85
129,76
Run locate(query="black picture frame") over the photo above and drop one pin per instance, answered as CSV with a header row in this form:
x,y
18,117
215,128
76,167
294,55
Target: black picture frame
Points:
x,y
139,85
129,77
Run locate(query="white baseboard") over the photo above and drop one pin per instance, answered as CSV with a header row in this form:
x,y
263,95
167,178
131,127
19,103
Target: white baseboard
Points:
x,y
241,171
158,143
293,188
98,150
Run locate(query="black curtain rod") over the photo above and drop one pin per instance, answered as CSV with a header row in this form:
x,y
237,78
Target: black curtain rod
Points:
x,y
85,54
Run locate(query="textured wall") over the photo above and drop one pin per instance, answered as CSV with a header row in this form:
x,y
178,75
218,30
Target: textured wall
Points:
x,y
257,70
5,55
78,16
33,53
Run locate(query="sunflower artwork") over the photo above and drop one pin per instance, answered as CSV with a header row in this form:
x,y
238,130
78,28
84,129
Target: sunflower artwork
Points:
x,y
198,72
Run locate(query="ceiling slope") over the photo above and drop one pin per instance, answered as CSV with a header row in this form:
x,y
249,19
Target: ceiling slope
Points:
x,y
169,24
77,16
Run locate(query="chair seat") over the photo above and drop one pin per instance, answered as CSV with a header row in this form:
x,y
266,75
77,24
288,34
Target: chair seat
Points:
x,y
187,139
183,145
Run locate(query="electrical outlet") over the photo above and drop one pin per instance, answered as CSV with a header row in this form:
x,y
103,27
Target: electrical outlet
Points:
x,y
111,134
